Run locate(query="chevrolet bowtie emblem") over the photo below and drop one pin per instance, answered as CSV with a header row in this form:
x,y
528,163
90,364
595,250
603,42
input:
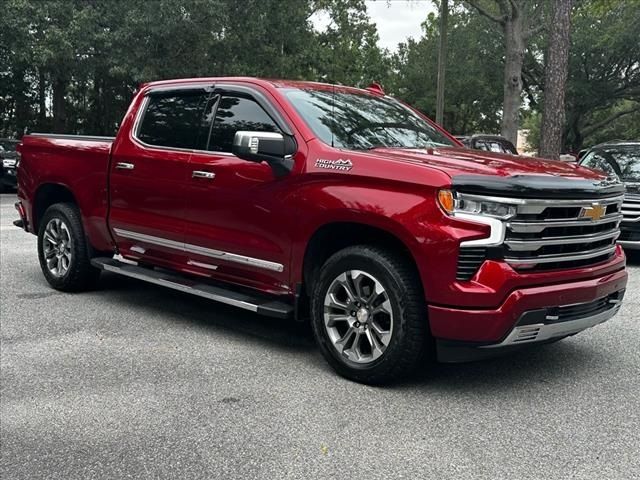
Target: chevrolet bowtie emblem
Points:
x,y
594,212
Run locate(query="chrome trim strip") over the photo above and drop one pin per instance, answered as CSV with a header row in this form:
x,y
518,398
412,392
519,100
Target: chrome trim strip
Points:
x,y
531,245
183,288
630,245
496,235
546,202
540,331
202,265
561,257
207,252
534,227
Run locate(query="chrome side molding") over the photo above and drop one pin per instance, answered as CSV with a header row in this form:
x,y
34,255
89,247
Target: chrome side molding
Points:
x,y
196,249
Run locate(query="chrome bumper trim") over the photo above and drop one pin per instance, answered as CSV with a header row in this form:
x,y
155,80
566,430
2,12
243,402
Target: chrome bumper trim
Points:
x,y
540,332
629,245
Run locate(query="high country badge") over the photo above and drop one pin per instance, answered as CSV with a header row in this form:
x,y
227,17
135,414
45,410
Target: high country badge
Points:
x,y
344,165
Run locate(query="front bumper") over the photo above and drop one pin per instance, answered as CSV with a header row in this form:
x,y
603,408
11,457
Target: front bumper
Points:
x,y
486,327
535,327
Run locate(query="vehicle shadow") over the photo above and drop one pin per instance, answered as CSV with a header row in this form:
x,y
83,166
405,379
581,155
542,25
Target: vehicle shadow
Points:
x,y
536,365
207,314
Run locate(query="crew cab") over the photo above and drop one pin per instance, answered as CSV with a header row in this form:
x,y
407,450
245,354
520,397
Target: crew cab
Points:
x,y
338,205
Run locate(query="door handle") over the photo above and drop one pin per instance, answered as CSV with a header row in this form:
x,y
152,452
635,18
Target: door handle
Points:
x,y
125,166
203,174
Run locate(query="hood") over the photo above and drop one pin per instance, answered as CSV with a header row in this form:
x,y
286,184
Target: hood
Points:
x,y
477,171
462,161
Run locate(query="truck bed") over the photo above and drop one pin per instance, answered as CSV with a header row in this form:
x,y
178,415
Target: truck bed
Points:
x,y
77,163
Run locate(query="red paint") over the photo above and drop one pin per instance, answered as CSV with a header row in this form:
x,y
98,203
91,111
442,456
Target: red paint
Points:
x,y
248,211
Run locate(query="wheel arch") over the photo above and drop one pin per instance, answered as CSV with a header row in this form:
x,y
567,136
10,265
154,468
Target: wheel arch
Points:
x,y
332,237
46,195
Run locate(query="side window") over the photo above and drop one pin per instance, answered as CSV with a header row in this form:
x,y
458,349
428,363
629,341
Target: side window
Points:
x,y
480,145
172,119
237,113
596,161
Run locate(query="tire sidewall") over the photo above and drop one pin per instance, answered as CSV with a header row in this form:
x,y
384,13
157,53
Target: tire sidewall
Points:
x,y
64,213
383,272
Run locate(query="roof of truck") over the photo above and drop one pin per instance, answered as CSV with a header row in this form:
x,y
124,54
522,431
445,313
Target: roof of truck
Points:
x,y
268,82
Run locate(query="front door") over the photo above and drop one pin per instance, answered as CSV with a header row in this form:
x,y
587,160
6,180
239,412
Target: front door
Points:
x,y
238,220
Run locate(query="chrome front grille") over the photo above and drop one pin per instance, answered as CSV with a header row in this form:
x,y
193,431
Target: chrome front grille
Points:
x,y
631,207
551,234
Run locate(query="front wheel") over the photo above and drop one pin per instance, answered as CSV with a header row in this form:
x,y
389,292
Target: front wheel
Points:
x,y
63,250
369,315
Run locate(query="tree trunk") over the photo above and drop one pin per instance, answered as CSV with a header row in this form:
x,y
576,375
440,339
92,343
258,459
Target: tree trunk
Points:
x,y
59,105
42,100
555,79
514,58
442,61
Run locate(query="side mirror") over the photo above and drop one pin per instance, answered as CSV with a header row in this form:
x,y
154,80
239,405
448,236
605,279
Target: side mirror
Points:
x,y
274,148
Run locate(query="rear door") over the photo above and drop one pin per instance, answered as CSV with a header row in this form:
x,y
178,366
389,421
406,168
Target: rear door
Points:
x,y
149,175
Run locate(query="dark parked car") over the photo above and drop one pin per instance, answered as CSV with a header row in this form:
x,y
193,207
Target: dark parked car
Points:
x,y
490,143
8,160
621,159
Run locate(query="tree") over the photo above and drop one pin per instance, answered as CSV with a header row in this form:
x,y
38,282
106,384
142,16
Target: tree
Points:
x,y
474,78
442,59
603,87
556,71
518,20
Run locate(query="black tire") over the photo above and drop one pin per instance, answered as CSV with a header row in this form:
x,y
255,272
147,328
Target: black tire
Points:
x,y
80,274
410,337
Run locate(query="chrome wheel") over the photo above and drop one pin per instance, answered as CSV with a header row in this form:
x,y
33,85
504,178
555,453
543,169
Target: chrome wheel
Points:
x,y
358,316
57,247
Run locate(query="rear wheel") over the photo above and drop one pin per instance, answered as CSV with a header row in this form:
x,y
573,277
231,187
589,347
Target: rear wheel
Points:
x,y
369,314
63,250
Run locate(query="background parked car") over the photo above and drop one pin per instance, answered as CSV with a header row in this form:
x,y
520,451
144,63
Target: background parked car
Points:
x,y
490,143
621,159
8,160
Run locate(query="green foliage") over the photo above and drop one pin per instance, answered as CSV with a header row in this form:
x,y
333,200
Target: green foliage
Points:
x,y
76,63
604,71
73,65
473,91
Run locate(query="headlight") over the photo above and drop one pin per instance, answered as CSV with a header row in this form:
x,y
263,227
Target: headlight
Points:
x,y
8,162
476,209
459,203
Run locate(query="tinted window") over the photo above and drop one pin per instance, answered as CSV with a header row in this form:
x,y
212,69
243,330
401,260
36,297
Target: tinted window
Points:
x,y
623,162
237,113
596,161
172,120
361,121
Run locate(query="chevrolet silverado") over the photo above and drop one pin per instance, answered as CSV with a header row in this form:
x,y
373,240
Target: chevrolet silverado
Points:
x,y
338,205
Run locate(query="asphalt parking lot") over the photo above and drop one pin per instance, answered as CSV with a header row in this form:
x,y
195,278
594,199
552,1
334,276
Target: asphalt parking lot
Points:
x,y
136,381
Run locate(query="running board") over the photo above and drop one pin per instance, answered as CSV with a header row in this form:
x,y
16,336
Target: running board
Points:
x,y
258,304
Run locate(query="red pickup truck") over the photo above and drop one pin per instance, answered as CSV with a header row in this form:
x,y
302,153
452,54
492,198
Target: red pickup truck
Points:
x,y
334,204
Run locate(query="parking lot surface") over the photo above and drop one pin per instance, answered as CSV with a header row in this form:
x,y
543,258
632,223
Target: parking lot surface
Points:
x,y
136,381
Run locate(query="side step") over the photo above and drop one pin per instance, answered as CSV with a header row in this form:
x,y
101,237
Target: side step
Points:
x,y
258,304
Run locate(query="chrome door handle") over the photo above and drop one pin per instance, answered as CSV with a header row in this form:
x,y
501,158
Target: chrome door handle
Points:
x,y
125,166
202,174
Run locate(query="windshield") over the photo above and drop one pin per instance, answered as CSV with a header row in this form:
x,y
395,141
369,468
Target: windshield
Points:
x,y
622,162
362,122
